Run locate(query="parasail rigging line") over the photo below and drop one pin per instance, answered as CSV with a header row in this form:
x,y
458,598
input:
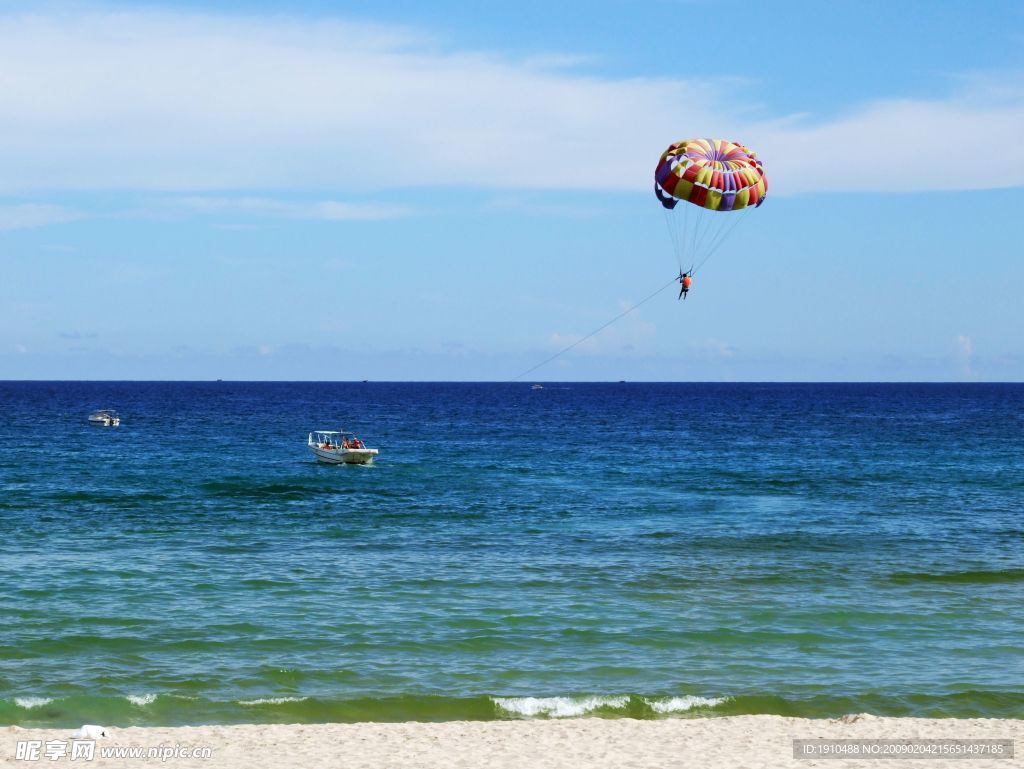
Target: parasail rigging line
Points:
x,y
596,331
720,237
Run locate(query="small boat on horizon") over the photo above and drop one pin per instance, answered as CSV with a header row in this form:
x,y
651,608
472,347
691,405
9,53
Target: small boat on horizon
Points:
x,y
105,418
537,387
337,447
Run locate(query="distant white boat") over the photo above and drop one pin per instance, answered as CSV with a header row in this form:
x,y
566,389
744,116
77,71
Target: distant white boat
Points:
x,y
338,447
105,418
537,387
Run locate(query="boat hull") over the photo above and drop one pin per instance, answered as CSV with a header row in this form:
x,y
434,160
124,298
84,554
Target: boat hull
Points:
x,y
344,456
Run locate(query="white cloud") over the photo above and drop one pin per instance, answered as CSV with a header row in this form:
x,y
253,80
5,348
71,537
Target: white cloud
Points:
x,y
969,141
164,100
964,356
716,348
28,215
327,210
173,101
520,205
628,334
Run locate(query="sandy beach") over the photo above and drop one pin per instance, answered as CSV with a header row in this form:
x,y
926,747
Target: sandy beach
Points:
x,y
739,741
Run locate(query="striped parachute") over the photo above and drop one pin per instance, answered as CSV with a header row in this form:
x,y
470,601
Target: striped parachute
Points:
x,y
710,177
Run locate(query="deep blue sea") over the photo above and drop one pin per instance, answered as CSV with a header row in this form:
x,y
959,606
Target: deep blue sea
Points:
x,y
650,550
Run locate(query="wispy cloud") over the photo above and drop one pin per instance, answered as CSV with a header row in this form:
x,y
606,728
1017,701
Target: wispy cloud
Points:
x,y
964,348
716,348
968,141
183,101
326,210
29,215
630,335
520,205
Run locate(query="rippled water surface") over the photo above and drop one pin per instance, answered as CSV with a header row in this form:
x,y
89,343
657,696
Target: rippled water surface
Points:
x,y
612,549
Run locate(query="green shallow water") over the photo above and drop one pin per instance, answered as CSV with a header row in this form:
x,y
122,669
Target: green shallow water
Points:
x,y
181,710
804,550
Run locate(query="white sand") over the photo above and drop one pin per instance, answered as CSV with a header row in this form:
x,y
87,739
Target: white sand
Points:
x,y
734,742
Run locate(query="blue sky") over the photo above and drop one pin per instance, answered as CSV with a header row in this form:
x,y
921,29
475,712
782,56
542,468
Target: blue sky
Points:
x,y
418,191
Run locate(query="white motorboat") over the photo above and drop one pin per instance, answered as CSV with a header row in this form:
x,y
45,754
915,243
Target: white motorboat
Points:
x,y
105,418
338,447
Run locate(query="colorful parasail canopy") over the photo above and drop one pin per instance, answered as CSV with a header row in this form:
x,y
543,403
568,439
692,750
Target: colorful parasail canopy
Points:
x,y
713,174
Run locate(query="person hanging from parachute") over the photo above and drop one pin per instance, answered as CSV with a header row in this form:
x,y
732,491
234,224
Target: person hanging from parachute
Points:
x,y
712,176
685,281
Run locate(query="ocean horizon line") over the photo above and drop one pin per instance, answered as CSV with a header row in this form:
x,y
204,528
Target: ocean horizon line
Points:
x,y
841,382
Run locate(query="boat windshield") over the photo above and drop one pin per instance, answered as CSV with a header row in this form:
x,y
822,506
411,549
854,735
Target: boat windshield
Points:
x,y
336,439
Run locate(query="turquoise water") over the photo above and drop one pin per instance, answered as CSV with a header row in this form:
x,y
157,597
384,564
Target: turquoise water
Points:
x,y
651,550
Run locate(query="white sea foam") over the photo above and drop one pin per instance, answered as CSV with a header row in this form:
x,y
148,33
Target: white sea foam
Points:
x,y
682,704
557,707
32,702
272,700
141,699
